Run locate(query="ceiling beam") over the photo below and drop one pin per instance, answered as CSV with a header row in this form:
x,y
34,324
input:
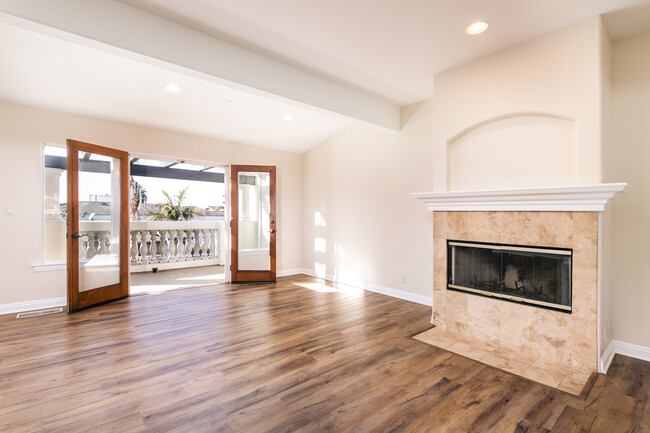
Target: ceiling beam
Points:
x,y
121,29
91,166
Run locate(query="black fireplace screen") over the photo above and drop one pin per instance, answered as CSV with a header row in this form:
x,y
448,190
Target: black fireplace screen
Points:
x,y
534,275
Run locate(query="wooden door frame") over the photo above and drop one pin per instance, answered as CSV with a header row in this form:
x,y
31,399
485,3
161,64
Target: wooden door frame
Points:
x,y
237,276
75,299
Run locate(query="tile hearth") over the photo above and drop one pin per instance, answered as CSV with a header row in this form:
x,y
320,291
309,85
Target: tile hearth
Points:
x,y
563,377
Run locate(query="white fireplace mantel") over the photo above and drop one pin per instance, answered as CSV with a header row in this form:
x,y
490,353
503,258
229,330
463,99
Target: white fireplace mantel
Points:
x,y
591,198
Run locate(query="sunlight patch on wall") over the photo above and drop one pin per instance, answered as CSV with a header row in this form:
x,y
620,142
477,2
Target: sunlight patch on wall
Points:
x,y
348,276
320,269
319,221
320,245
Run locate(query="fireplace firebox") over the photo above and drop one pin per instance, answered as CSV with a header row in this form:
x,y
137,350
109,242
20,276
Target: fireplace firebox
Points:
x,y
538,276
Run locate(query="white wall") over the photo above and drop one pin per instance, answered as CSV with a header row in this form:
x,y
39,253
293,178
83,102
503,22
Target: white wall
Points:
x,y
532,149
555,75
359,223
24,129
630,162
606,248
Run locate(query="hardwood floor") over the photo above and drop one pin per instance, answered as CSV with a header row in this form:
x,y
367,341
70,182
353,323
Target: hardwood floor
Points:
x,y
293,356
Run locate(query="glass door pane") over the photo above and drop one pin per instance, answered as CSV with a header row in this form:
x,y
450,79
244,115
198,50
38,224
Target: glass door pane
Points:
x,y
99,221
254,221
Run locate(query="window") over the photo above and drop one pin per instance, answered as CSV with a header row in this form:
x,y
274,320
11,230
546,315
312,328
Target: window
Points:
x,y
54,203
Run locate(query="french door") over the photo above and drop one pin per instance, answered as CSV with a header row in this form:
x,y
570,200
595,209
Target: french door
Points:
x,y
98,225
252,223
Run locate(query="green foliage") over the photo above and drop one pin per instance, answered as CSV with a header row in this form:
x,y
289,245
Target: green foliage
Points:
x,y
173,210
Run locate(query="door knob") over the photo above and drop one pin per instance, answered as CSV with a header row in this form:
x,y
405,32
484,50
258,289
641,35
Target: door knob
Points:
x,y
272,230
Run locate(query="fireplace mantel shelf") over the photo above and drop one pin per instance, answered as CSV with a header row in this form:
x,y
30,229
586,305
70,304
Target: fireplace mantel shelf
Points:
x,y
590,198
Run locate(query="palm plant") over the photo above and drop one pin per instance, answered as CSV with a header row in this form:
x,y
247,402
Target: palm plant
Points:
x,y
173,210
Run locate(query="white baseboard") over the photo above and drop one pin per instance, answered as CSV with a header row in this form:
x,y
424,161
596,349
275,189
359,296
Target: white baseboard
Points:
x,y
289,272
395,293
606,359
623,348
632,350
42,304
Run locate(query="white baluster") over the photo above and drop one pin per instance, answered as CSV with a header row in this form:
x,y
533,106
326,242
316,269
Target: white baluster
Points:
x,y
217,244
174,244
147,241
200,244
140,247
182,246
108,247
209,249
83,248
191,244
157,245
165,246
93,245
131,245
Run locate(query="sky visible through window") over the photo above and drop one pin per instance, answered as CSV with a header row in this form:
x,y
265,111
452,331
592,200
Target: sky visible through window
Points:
x,y
199,194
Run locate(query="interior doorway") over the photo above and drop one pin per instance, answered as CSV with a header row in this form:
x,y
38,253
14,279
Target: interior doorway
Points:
x,y
178,231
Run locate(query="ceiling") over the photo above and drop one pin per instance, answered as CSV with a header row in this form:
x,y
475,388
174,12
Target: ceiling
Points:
x,y
386,48
47,72
383,48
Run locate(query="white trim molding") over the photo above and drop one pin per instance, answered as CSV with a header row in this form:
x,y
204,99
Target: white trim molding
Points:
x,y
289,272
623,348
50,266
41,304
607,358
556,198
394,293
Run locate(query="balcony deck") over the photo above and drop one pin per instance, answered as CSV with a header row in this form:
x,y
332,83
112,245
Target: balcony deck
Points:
x,y
162,281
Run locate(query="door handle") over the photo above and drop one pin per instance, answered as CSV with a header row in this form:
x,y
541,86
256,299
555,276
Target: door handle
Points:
x,y
77,235
272,230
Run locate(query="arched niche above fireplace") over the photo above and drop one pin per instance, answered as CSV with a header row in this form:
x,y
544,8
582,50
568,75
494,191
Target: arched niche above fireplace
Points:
x,y
515,150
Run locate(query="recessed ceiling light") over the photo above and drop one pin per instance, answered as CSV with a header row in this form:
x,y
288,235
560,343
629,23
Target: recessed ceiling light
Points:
x,y
287,118
172,88
477,28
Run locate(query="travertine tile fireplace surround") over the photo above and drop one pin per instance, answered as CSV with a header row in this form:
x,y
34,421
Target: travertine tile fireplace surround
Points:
x,y
557,217
532,332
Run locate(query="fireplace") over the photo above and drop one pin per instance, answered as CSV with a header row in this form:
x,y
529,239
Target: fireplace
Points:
x,y
497,240
538,276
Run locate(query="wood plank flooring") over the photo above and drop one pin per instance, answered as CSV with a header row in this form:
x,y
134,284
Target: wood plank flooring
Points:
x,y
298,355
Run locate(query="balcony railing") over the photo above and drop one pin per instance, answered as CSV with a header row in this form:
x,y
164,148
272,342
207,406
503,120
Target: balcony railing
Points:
x,y
159,244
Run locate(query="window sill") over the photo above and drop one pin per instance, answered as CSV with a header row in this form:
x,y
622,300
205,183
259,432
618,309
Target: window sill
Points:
x,y
59,265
